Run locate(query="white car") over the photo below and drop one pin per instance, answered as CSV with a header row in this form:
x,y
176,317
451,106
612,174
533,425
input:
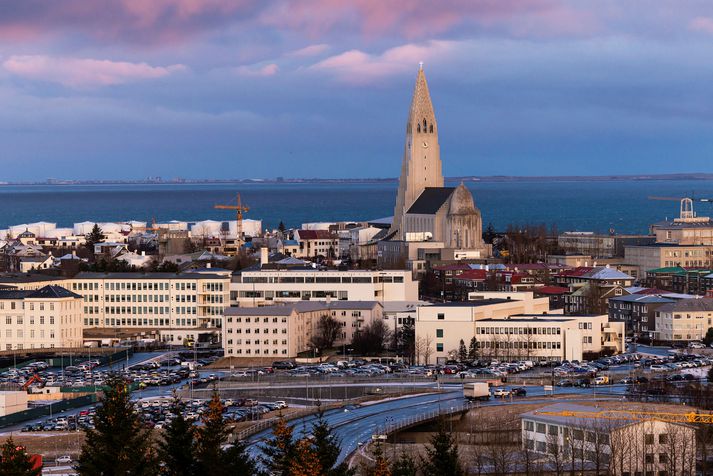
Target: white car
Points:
x,y
658,368
501,392
696,345
66,459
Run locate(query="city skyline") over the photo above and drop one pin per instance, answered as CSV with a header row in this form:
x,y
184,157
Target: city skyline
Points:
x,y
210,88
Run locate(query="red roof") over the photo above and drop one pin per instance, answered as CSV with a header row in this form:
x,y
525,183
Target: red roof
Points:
x,y
315,235
581,271
452,267
551,290
474,275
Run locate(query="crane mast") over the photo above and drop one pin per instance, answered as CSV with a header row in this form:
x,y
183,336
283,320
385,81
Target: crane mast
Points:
x,y
239,210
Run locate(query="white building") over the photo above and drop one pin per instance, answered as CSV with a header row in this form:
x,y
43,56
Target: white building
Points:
x,y
684,320
594,439
260,287
49,317
285,331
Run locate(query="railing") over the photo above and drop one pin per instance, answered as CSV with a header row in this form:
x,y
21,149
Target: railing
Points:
x,y
394,426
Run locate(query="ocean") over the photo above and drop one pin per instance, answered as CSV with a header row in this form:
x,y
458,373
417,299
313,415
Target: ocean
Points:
x,y
585,206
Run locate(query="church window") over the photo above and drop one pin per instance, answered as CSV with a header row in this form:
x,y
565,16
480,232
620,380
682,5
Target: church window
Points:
x,y
430,128
424,125
418,128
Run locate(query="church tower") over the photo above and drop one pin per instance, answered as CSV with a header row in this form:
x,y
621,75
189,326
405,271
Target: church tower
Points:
x,y
421,165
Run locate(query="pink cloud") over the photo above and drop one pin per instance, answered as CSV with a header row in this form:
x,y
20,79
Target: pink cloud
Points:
x,y
701,24
311,50
358,67
266,70
84,72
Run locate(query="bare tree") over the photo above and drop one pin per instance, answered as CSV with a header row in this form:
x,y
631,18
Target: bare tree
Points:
x,y
328,330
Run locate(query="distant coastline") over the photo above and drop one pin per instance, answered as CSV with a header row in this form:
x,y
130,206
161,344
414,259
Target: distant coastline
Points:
x,y
282,180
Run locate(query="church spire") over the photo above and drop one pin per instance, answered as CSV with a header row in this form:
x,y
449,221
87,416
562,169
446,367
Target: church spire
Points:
x,y
421,166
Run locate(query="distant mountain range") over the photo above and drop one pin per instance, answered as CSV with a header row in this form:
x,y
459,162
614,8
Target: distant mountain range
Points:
x,y
468,178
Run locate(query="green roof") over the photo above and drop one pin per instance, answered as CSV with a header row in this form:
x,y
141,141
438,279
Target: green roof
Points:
x,y
667,270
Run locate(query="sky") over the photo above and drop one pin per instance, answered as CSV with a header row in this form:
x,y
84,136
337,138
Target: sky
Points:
x,y
128,89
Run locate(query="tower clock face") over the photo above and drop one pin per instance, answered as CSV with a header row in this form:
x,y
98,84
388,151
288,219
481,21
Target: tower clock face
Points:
x,y
425,144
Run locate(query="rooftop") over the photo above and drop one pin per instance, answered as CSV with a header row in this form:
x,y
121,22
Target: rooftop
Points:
x,y
431,200
301,306
93,275
688,305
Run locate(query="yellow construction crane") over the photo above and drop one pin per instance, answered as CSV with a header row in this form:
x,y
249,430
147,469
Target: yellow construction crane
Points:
x,y
690,417
239,210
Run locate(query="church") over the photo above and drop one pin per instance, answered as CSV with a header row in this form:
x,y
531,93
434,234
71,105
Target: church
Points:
x,y
431,222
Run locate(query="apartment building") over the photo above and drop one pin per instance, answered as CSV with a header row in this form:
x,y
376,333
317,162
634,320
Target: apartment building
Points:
x,y
684,320
30,282
285,331
666,255
168,302
607,445
50,317
262,287
638,312
314,243
548,337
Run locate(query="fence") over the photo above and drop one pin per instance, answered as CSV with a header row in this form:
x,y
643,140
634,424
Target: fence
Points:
x,y
46,410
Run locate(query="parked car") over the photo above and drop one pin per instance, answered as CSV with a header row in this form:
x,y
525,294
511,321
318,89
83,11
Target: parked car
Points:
x,y
501,392
66,459
519,391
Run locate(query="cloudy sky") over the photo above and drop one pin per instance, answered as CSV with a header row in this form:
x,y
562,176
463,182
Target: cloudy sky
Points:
x,y
320,88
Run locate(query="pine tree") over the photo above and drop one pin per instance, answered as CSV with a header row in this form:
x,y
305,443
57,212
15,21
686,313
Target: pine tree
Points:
x,y
473,349
210,439
14,461
176,450
118,445
237,461
281,228
95,236
462,353
327,447
306,461
380,466
279,451
404,466
442,455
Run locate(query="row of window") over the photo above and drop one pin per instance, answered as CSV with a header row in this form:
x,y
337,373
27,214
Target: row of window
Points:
x,y
257,351
20,320
322,279
257,331
520,330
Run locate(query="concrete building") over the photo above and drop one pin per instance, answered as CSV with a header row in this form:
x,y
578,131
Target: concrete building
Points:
x,y
609,445
170,303
286,331
599,246
688,229
12,401
637,312
684,320
513,325
50,317
665,255
313,243
261,286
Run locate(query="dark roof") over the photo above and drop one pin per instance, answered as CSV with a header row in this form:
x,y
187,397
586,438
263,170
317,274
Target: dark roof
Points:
x,y
53,292
13,293
27,278
188,275
475,303
688,305
431,200
300,306
315,235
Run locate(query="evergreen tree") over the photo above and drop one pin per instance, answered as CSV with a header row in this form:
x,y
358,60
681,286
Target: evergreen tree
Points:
x,y
237,461
462,352
708,338
95,236
473,349
176,450
489,234
210,438
118,445
326,446
380,466
281,228
279,451
14,461
442,455
306,461
404,466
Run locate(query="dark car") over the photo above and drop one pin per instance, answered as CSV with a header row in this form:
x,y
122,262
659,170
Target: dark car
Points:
x,y
564,383
283,365
518,391
582,382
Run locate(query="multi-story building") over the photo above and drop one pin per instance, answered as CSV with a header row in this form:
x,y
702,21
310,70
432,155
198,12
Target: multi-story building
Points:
x,y
549,337
261,287
597,245
666,255
608,445
286,331
637,312
513,325
684,320
314,243
30,281
166,302
49,317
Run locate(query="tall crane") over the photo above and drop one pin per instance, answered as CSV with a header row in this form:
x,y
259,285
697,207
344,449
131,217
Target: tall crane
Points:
x,y
239,210
635,415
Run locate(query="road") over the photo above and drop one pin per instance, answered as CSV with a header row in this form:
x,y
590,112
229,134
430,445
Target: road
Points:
x,y
356,425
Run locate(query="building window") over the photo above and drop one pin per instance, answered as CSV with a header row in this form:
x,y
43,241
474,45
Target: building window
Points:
x,y
441,316
439,347
439,332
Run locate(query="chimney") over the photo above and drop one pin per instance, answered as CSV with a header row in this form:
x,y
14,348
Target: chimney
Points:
x,y
208,265
263,256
